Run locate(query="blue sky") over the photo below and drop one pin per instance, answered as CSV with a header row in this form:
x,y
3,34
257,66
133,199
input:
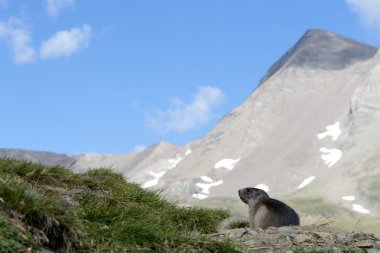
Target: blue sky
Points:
x,y
114,76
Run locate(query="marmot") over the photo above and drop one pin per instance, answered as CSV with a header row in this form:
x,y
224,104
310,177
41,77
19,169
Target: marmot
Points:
x,y
266,212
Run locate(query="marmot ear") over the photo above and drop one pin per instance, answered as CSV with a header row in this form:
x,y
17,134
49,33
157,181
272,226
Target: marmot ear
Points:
x,y
260,192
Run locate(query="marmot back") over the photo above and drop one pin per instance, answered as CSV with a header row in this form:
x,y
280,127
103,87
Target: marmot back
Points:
x,y
266,212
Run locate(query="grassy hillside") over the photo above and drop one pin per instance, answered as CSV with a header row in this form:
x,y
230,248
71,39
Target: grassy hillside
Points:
x,y
97,211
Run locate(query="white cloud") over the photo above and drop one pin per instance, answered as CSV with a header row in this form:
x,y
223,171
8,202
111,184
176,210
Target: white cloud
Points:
x,y
54,7
19,40
368,10
65,43
181,117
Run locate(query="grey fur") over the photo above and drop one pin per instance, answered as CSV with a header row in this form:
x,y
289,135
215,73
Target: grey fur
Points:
x,y
266,212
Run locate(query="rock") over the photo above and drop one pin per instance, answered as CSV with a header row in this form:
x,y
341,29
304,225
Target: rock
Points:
x,y
261,250
373,251
329,238
342,238
271,230
240,232
285,230
229,233
251,232
365,244
250,242
302,238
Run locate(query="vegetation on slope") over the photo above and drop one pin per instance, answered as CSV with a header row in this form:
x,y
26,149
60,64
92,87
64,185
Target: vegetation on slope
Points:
x,y
97,211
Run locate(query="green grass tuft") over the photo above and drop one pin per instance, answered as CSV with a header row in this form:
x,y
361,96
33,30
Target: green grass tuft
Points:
x,y
96,211
14,237
238,224
41,212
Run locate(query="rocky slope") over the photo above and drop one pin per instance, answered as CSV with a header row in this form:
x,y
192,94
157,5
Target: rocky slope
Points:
x,y
300,239
309,130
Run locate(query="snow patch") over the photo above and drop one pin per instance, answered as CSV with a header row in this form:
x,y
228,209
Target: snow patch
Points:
x,y
206,187
349,198
306,182
331,130
360,209
188,152
199,196
262,187
174,162
155,180
207,179
331,156
228,164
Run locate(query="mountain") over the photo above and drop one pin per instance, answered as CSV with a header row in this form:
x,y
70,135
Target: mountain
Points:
x,y
47,158
324,82
308,134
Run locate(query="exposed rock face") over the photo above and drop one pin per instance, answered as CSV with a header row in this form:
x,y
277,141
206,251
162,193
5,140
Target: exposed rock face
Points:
x,y
322,50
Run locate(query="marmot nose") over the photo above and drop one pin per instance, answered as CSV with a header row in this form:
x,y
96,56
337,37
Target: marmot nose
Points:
x,y
239,191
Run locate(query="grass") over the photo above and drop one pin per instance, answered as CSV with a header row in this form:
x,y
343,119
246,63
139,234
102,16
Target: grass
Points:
x,y
14,238
96,211
238,224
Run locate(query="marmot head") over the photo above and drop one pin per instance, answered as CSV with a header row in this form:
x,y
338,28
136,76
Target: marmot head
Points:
x,y
250,194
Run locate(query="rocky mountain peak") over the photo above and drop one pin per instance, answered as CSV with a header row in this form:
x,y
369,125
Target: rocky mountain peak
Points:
x,y
322,50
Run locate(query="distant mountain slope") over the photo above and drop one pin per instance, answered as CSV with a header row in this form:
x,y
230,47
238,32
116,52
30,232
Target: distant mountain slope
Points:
x,y
47,158
272,139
